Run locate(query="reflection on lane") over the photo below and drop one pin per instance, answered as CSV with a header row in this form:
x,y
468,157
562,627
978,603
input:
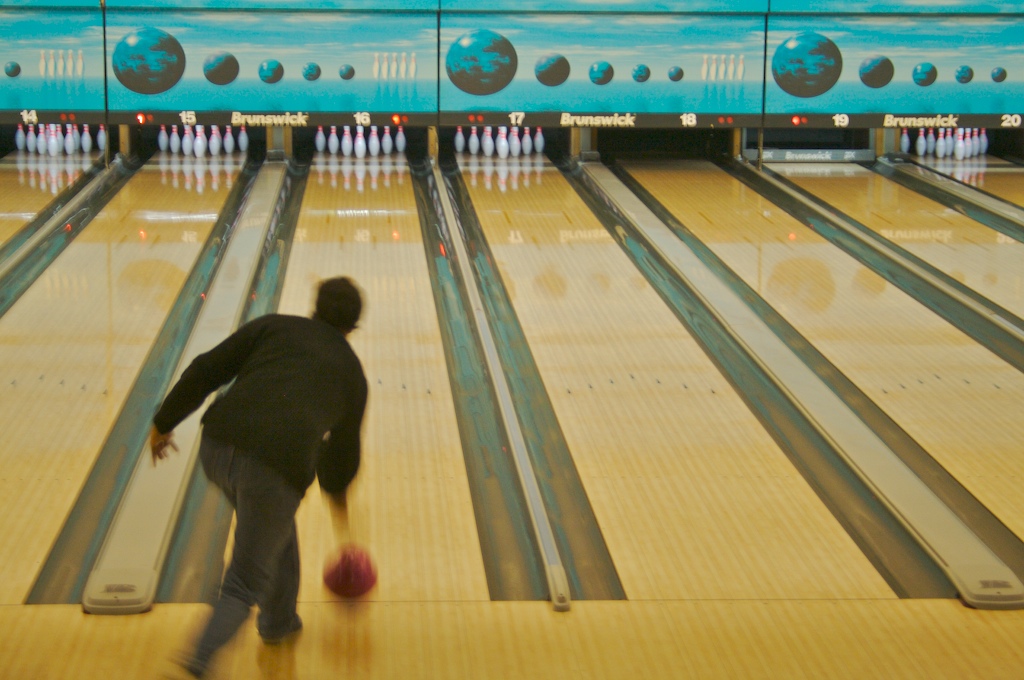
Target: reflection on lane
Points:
x,y
981,258
954,397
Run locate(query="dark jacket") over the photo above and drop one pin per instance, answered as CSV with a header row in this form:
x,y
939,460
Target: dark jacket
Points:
x,y
296,404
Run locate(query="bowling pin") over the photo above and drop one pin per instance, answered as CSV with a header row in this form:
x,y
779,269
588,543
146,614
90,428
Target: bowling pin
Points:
x,y
162,140
199,144
940,144
904,142
173,140
59,136
69,141
215,141
488,142
41,140
538,141
514,145
333,143
400,140
975,143
527,142
983,138
243,139
360,144
346,141
930,141
320,141
474,141
387,145
460,139
958,147
86,139
52,145
229,140
19,137
187,141
501,146
920,144
30,139
373,144
78,137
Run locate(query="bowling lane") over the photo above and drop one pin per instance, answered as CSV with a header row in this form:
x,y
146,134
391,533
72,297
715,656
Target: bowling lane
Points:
x,y
410,504
28,182
957,399
70,349
694,498
979,257
1005,182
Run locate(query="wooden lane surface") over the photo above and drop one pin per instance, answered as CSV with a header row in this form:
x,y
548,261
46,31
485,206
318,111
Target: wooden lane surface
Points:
x,y
954,397
757,639
410,505
1006,183
694,499
28,186
70,349
977,256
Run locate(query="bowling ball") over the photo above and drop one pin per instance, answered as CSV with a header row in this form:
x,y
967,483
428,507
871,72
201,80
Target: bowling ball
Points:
x,y
999,74
601,73
641,73
352,575
675,74
347,71
877,71
964,74
925,74
12,69
481,62
271,71
807,65
552,70
311,71
221,68
148,61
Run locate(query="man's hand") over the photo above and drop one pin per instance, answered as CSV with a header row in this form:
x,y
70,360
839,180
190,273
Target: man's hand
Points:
x,y
159,443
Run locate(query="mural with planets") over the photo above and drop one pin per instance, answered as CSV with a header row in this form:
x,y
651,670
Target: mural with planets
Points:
x,y
591,63
630,6
908,65
53,61
898,7
259,62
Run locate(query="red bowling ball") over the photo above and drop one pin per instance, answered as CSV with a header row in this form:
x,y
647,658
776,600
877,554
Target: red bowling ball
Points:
x,y
352,575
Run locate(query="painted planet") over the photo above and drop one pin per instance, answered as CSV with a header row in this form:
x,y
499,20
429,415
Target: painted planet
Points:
x,y
876,71
675,74
552,70
964,74
601,73
12,69
221,69
271,71
311,71
148,61
999,74
641,73
925,74
347,72
481,62
807,65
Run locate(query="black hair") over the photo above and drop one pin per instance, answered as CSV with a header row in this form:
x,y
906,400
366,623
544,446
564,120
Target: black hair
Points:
x,y
338,303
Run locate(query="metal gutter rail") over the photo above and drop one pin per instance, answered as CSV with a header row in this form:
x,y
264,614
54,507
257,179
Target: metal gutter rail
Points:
x,y
558,583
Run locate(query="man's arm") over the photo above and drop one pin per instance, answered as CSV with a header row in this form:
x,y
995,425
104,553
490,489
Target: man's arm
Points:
x,y
340,454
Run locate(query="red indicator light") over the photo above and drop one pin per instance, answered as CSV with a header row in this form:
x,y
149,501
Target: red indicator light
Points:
x,y
721,119
729,120
63,117
796,120
141,118
803,119
396,119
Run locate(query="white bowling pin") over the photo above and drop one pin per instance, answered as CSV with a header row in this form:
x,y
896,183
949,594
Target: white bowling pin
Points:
x,y
983,138
59,134
320,141
243,139
215,141
162,140
400,140
527,142
199,144
346,141
501,146
229,140
930,141
19,137
940,144
86,139
460,139
920,144
333,143
958,147
187,141
41,140
360,143
101,138
474,141
488,142
514,145
30,139
373,143
69,141
904,141
173,140
387,144
52,145
78,137
538,141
